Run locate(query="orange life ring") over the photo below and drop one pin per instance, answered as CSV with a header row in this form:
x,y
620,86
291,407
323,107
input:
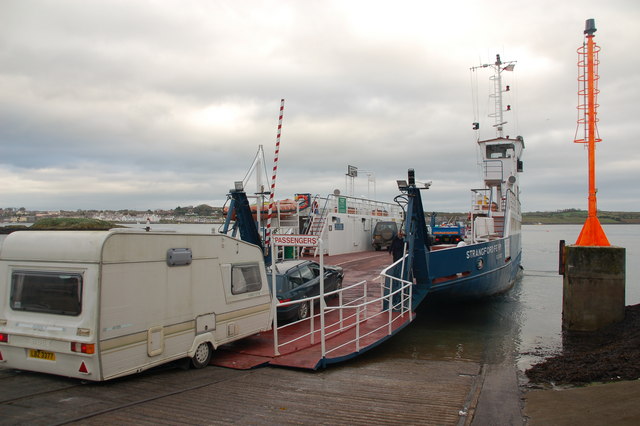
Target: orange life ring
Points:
x,y
303,200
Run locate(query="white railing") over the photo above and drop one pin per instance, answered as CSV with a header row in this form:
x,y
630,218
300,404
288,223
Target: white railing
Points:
x,y
313,316
352,314
403,305
480,202
359,206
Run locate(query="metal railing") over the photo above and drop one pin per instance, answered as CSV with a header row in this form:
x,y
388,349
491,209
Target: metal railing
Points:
x,y
480,200
351,314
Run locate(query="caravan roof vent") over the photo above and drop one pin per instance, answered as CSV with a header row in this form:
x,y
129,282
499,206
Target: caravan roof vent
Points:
x,y
179,256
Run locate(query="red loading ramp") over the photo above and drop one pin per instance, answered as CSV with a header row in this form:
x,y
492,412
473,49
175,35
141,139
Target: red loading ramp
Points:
x,y
258,350
343,339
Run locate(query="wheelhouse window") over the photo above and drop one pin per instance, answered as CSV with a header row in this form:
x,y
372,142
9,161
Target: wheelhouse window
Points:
x,y
46,292
500,151
245,278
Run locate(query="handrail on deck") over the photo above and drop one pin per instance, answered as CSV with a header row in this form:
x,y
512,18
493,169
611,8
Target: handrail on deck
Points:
x,y
353,313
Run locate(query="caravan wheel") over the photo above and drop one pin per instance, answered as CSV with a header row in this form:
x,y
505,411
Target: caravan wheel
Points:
x,y
202,356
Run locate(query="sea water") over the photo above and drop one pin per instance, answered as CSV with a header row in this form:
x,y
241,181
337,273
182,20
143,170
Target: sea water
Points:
x,y
523,325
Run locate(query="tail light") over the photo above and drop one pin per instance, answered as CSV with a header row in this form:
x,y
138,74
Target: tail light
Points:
x,y
4,338
84,348
284,300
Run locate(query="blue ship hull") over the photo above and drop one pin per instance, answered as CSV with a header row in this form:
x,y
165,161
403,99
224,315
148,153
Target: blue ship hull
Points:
x,y
470,272
476,270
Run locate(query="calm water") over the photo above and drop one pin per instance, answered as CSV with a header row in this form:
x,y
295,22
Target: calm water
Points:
x,y
523,325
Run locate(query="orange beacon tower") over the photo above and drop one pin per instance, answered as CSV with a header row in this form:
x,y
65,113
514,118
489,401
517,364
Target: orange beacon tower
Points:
x,y
592,233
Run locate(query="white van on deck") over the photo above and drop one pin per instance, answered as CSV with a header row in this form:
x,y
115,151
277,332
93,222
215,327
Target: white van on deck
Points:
x,y
97,305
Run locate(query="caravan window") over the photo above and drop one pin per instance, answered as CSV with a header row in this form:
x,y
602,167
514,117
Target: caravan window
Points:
x,y
245,278
46,292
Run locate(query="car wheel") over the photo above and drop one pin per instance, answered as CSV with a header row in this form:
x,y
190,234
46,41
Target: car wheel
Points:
x,y
202,356
303,310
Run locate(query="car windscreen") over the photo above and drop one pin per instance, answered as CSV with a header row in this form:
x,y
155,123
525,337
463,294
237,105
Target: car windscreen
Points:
x,y
381,227
46,292
306,273
315,269
294,277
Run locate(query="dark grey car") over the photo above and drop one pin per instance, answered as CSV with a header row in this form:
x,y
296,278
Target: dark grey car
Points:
x,y
299,279
383,234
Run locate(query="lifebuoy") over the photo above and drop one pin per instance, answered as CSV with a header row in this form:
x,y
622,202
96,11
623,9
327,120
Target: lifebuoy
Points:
x,y
303,200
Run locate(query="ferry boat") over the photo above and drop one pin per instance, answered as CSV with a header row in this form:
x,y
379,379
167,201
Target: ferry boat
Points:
x,y
487,260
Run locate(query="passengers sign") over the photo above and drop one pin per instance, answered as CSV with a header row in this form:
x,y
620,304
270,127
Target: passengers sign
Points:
x,y
296,240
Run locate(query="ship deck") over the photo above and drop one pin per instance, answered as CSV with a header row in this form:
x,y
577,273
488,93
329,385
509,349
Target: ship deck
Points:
x,y
300,344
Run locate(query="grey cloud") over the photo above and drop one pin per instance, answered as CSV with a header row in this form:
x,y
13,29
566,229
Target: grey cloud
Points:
x,y
151,107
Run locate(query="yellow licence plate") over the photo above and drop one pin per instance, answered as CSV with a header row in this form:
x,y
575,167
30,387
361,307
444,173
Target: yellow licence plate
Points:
x,y
36,353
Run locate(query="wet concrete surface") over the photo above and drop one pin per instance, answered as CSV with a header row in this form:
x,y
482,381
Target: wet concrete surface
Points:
x,y
369,391
500,397
598,404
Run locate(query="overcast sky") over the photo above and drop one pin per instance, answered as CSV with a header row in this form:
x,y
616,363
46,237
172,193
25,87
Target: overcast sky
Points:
x,y
157,104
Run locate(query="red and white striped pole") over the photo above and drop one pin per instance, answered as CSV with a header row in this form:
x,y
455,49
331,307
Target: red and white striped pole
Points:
x,y
267,238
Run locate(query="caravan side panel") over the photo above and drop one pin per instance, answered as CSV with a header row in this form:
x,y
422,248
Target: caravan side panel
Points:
x,y
153,312
146,316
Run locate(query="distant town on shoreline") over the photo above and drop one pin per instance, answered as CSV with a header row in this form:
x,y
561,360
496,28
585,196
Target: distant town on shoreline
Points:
x,y
204,213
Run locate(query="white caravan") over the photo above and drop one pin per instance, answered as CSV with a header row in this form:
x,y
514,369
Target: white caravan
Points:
x,y
97,305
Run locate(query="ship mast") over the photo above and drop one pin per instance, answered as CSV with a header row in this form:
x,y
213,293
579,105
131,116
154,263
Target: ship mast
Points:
x,y
498,108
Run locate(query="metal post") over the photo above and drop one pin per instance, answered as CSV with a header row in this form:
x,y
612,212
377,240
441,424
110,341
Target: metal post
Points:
x,y
341,310
366,305
322,303
275,172
312,322
410,298
390,306
358,329
274,302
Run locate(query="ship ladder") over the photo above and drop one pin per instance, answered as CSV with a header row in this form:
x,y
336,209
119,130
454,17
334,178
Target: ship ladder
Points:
x,y
316,226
